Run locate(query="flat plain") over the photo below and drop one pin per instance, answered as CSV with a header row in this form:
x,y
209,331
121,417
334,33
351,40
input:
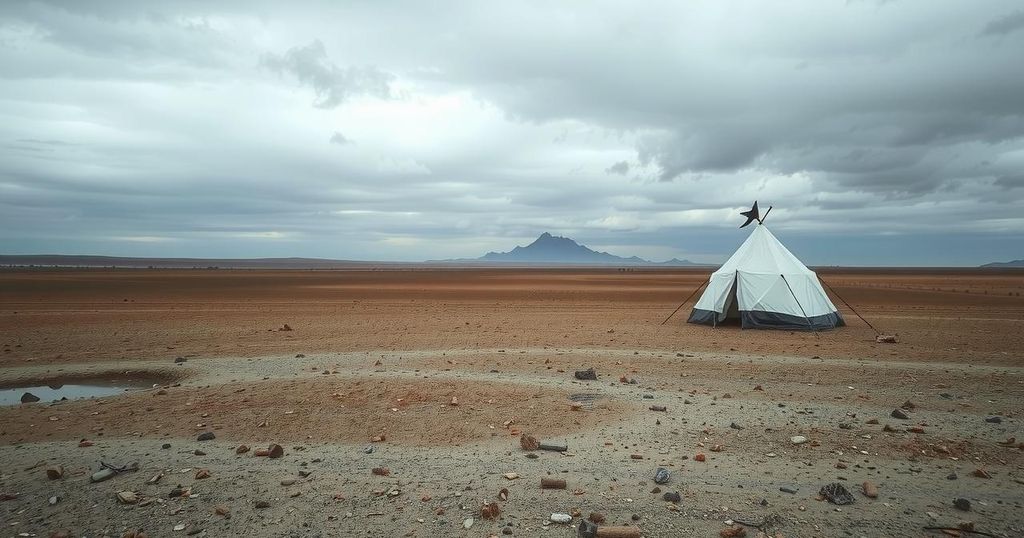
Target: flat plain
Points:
x,y
448,367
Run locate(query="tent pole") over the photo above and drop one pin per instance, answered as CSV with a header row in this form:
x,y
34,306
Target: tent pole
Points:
x,y
848,305
802,311
687,299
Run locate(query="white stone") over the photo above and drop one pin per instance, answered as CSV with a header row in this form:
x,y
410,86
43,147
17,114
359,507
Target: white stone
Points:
x,y
561,518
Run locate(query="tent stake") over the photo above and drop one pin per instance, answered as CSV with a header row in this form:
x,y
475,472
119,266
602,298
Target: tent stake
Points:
x,y
687,299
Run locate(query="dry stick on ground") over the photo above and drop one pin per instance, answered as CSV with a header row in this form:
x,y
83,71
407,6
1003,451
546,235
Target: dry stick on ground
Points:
x,y
959,530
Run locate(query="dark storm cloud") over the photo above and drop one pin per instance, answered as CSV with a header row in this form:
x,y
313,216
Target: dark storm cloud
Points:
x,y
333,85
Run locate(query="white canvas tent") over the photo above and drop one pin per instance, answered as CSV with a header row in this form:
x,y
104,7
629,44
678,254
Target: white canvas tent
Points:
x,y
765,286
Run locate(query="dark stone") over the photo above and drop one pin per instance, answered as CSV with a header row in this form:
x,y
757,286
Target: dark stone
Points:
x,y
179,360
262,504
586,375
951,476
28,397
206,436
165,446
836,494
994,420
586,529
900,414
787,489
661,475
735,426
672,496
199,452
962,504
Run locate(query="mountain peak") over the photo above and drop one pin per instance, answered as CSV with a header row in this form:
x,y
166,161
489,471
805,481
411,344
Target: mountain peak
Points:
x,y
556,249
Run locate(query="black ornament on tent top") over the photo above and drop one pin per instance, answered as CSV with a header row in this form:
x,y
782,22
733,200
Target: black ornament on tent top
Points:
x,y
753,215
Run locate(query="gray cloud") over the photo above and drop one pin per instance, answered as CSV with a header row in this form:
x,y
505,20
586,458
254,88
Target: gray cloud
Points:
x,y
621,168
1004,25
340,139
333,85
183,127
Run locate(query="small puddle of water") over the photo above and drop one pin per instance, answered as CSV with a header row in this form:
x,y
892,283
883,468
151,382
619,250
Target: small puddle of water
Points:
x,y
71,391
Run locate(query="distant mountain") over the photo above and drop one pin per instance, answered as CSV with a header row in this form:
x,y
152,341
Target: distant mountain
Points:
x,y
1014,263
552,249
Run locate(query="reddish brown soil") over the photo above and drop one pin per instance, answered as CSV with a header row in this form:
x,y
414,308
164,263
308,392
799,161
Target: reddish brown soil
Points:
x,y
88,315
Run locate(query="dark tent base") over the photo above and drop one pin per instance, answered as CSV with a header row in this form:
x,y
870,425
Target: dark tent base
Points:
x,y
755,319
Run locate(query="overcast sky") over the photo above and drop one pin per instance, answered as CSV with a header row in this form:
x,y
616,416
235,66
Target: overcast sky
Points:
x,y
883,132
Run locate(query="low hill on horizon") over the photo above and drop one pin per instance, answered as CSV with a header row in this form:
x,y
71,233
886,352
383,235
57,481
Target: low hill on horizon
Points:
x,y
1012,263
553,249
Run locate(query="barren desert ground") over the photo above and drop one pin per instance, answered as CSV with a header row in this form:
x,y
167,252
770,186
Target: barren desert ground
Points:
x,y
400,398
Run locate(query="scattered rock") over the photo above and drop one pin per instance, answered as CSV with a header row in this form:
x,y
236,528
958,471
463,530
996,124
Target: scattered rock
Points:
x,y
528,442
222,510
165,446
55,473
288,482
503,494
870,490
994,420
511,476
900,414
700,457
560,518
179,360
787,489
835,493
198,452
206,436
242,449
381,471
552,483
735,426
951,476
798,439
490,510
127,497
202,473
672,496
28,397
735,531
962,504
886,339
262,504
596,517
658,408
102,474
662,475
981,473
909,405
586,375
467,523
275,451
